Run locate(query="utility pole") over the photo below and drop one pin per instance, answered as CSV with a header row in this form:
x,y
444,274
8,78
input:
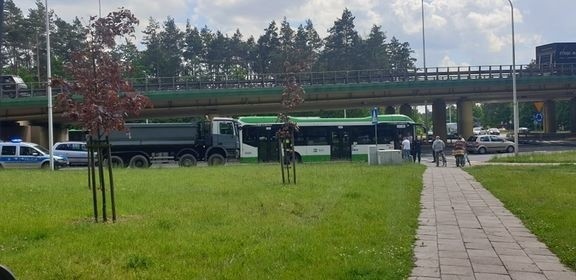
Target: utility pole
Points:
x,y
1,33
1,44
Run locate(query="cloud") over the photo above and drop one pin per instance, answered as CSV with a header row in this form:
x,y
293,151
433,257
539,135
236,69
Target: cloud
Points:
x,y
252,16
447,61
460,27
471,31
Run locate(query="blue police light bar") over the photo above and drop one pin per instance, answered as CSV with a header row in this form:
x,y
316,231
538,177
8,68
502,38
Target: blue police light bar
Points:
x,y
16,140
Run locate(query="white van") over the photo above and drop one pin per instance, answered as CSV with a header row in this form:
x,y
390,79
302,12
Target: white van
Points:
x,y
18,154
75,151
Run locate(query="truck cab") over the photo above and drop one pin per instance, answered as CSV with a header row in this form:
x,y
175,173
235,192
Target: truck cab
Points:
x,y
225,134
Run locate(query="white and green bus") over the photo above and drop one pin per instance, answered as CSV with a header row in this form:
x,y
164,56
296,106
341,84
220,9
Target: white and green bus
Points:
x,y
322,139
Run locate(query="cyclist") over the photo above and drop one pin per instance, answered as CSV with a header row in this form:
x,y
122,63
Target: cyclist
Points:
x,y
438,147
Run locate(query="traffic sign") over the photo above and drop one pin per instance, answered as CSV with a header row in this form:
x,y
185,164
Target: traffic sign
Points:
x,y
538,117
375,115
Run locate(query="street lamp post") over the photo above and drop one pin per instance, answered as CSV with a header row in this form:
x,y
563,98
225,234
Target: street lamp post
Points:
x,y
49,90
423,42
514,98
424,61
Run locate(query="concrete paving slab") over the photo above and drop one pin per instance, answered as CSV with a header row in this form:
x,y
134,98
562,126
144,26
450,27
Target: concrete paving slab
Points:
x,y
467,233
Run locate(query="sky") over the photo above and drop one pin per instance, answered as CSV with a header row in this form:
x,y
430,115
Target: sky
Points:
x,y
456,32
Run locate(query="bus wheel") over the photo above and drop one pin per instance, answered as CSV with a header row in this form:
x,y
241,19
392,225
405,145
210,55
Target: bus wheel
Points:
x,y
216,159
298,158
139,161
187,160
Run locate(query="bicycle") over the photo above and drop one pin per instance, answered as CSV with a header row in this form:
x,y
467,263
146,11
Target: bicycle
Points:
x,y
440,154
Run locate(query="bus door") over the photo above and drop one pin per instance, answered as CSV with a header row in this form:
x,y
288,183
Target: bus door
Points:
x,y
340,147
268,145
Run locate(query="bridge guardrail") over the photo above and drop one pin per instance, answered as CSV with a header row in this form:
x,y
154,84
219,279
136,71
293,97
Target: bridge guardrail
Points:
x,y
157,84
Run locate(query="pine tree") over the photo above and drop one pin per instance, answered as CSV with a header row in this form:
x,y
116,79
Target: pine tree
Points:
x,y
400,59
152,57
341,45
374,50
192,51
171,45
268,45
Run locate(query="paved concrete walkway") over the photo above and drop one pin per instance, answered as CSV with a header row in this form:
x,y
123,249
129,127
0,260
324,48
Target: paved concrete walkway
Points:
x,y
466,233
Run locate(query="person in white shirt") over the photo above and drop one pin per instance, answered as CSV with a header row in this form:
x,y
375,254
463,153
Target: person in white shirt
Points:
x,y
406,149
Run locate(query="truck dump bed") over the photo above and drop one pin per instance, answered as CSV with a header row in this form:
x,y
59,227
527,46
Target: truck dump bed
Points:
x,y
156,134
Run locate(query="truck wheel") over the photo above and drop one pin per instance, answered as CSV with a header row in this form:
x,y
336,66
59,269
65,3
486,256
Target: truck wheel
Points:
x,y
187,160
216,159
139,161
116,162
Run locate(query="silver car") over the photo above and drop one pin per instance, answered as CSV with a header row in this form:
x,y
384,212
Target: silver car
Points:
x,y
75,151
17,154
488,144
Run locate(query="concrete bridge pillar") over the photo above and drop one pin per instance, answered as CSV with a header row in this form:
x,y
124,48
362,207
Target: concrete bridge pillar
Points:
x,y
549,116
390,110
439,118
465,118
39,134
406,109
572,115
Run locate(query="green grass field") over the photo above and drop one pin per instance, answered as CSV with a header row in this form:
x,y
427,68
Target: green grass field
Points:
x,y
539,157
341,221
543,197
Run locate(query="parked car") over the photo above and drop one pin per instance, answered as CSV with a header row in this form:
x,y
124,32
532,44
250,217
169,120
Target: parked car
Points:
x,y
478,130
18,154
13,86
75,151
488,144
493,131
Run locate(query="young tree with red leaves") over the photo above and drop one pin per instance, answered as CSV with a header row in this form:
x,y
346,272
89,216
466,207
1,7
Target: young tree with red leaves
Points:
x,y
97,96
292,96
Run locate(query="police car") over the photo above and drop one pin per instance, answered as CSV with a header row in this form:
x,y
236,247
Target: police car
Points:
x,y
18,154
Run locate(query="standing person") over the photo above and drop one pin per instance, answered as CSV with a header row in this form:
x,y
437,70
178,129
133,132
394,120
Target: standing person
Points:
x,y
438,148
406,149
459,152
416,149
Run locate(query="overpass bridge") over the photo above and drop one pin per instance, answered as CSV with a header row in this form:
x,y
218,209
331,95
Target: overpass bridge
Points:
x,y
257,94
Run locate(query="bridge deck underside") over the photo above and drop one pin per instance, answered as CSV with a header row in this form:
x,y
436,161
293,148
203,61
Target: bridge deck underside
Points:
x,y
242,101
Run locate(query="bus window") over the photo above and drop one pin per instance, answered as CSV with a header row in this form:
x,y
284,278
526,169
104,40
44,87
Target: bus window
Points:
x,y
299,139
362,134
386,134
316,135
250,135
